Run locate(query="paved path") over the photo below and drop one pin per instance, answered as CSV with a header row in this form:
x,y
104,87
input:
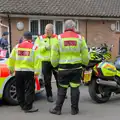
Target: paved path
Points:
x,y
88,109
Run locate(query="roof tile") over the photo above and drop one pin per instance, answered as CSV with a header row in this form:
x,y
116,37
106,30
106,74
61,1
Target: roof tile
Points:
x,y
104,8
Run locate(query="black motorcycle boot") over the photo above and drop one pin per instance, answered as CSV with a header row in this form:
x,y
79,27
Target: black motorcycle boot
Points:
x,y
59,103
74,111
75,101
50,99
55,111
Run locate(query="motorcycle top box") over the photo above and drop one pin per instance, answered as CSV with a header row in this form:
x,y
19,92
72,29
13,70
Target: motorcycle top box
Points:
x,y
106,70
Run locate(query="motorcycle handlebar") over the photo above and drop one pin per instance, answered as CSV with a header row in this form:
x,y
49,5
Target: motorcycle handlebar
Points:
x,y
102,48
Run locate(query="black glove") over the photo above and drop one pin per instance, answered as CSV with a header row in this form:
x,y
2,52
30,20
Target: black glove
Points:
x,y
84,66
55,68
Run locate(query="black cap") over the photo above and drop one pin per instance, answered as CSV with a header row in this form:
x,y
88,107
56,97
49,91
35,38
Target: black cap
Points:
x,y
5,33
27,34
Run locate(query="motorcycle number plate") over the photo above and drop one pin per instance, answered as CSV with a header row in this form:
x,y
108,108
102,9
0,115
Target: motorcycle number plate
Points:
x,y
87,76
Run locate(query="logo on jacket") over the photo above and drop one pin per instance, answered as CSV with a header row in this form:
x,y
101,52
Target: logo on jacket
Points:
x,y
70,43
23,53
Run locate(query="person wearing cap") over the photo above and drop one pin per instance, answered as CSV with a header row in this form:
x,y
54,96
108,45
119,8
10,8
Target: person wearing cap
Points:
x,y
24,61
4,42
69,53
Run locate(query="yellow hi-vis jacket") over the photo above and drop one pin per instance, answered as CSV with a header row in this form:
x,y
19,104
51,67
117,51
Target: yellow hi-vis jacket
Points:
x,y
24,57
70,48
44,43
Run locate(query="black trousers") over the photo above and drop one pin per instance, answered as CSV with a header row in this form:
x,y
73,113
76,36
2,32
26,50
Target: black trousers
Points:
x,y
64,79
25,86
47,70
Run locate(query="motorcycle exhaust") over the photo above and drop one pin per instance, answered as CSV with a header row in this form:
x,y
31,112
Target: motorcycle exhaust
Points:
x,y
107,83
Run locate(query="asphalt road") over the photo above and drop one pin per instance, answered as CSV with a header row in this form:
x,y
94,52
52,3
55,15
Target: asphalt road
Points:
x,y
88,109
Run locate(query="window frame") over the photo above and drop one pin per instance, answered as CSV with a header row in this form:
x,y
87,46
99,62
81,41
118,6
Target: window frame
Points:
x,y
77,21
54,22
38,26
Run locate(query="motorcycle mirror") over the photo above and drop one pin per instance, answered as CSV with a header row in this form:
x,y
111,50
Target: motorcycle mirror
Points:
x,y
101,45
111,47
105,45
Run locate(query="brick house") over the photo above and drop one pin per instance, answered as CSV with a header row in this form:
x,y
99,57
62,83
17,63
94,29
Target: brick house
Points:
x,y
97,20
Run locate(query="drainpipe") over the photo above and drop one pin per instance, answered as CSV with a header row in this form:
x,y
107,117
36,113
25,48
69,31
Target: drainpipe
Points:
x,y
0,31
10,37
0,28
86,29
119,46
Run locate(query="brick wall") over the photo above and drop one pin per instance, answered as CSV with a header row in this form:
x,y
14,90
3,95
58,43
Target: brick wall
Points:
x,y
99,32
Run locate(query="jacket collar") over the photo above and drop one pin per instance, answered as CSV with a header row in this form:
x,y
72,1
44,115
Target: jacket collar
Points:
x,y
70,30
30,41
52,36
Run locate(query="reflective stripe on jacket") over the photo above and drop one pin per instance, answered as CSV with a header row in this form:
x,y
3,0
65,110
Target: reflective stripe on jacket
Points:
x,y
70,48
24,57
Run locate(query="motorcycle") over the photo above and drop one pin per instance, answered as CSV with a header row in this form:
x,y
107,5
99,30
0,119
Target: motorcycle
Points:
x,y
102,77
97,55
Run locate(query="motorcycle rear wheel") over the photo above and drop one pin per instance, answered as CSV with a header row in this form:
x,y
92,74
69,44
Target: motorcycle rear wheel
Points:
x,y
95,90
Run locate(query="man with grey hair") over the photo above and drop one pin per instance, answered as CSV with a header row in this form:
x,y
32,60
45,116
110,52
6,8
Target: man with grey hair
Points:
x,y
69,53
69,24
44,42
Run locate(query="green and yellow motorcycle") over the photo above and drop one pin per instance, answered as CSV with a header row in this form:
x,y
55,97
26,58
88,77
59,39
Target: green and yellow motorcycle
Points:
x,y
102,77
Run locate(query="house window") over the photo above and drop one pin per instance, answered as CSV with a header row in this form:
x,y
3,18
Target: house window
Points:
x,y
117,26
58,27
38,26
34,27
77,24
43,23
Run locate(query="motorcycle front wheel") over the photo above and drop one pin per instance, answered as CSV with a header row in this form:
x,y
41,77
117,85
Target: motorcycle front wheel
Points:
x,y
98,93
